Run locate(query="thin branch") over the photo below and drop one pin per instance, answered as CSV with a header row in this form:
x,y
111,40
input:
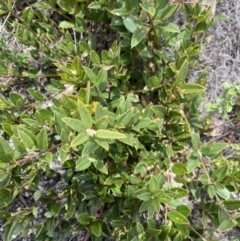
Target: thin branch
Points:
x,y
5,21
26,76
87,236
24,160
196,232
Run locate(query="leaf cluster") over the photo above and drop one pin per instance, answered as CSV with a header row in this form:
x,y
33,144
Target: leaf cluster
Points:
x,y
126,139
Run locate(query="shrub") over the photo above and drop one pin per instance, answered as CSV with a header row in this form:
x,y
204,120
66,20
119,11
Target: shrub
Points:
x,y
125,140
229,100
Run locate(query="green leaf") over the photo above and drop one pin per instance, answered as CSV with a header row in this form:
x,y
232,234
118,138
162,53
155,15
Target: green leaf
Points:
x,y
15,229
102,79
102,123
6,197
220,173
90,74
148,7
59,124
95,5
143,195
64,136
105,134
28,14
66,24
196,142
3,68
68,5
195,190
220,17
32,123
9,5
179,192
226,225
165,229
170,27
42,139
128,140
109,198
76,68
37,194
192,162
125,118
63,152
101,142
179,237
153,232
100,111
130,24
179,169
26,139
27,131
70,206
89,147
169,151
132,6
184,210
45,114
56,208
177,217
95,58
6,153
153,184
232,204
98,164
85,115
41,232
82,163
66,70
18,145
159,110
192,88
139,35
80,139
74,124
142,123
139,228
204,179
17,100
144,206
3,103
182,74
4,179
168,12
96,228
45,5
120,12
47,157
7,127
84,219
211,191
184,230
213,150
35,211
153,207
224,193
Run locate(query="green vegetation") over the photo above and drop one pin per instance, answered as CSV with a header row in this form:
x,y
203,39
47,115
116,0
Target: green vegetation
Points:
x,y
127,135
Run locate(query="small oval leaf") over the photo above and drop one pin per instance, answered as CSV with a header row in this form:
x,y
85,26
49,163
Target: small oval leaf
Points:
x,y
177,217
105,134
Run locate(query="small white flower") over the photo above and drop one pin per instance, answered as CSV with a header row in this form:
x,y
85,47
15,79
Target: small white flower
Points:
x,y
91,132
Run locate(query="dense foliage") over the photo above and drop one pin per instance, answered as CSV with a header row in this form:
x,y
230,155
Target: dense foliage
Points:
x,y
119,124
